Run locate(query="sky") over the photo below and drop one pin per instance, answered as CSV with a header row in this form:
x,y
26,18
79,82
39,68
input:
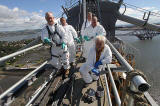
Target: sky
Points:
x,y
29,14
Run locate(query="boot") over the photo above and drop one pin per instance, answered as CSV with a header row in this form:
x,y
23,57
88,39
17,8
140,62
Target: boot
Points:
x,y
60,72
65,74
71,64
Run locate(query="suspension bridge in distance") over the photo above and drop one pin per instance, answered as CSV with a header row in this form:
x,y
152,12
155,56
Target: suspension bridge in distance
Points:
x,y
143,34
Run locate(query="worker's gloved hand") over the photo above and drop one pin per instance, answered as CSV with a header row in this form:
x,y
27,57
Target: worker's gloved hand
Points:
x,y
77,40
86,38
47,41
97,64
95,71
81,38
64,45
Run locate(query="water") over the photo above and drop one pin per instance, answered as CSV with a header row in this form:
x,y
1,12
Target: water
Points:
x,y
148,60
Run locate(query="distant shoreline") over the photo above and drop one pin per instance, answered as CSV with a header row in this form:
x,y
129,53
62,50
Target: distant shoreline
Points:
x,y
11,36
21,32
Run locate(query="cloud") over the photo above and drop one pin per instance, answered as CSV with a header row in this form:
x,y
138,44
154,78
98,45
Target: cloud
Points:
x,y
139,15
18,19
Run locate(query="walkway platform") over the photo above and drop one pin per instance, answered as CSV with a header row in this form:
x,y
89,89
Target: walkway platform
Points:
x,y
74,94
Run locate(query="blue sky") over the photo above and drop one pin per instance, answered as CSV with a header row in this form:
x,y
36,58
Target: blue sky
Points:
x,y
55,5
29,14
35,5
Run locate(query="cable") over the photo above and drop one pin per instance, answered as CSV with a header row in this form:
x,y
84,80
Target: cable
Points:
x,y
143,10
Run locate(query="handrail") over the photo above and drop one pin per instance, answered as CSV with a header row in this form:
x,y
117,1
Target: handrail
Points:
x,y
108,93
118,100
2,59
21,82
120,57
32,43
37,94
40,89
129,68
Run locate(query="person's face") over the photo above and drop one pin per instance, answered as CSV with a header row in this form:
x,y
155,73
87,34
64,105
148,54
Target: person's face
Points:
x,y
50,19
94,22
63,21
99,45
89,17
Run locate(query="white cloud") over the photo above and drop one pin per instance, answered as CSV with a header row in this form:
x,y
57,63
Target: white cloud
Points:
x,y
41,11
17,19
15,9
139,15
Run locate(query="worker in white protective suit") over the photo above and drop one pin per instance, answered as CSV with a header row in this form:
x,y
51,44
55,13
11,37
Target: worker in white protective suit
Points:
x,y
90,33
87,22
99,55
54,35
71,35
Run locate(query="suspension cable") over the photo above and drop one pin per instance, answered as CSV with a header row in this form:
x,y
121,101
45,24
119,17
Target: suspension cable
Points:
x,y
142,9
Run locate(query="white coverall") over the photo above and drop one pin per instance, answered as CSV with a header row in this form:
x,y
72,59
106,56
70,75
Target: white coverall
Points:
x,y
60,57
92,32
85,25
105,58
71,34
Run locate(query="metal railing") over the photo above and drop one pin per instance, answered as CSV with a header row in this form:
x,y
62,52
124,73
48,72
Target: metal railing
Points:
x,y
139,79
107,89
20,83
128,67
115,91
2,59
34,42
39,90
10,91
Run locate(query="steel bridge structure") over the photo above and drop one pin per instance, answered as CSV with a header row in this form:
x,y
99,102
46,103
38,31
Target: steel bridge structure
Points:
x,y
142,34
138,83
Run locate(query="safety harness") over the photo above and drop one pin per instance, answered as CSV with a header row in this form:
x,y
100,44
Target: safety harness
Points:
x,y
50,37
54,33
